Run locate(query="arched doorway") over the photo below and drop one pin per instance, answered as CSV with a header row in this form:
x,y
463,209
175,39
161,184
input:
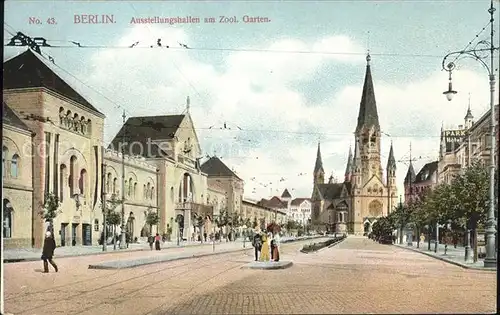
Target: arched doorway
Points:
x,y
8,213
130,225
367,227
186,189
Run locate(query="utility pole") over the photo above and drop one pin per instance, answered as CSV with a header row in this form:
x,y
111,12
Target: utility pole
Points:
x,y
123,239
104,205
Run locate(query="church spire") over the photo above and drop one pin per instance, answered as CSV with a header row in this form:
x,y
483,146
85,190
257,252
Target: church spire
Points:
x,y
348,169
319,163
368,116
391,162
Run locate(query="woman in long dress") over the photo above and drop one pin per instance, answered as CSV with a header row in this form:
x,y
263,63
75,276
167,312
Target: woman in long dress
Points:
x,y
264,253
276,249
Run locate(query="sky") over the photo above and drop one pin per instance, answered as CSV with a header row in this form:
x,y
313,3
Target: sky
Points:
x,y
280,86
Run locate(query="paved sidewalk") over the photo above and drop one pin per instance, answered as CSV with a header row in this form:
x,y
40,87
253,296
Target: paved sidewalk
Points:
x,y
33,254
453,255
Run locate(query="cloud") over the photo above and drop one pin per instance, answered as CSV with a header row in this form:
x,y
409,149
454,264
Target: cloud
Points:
x,y
254,91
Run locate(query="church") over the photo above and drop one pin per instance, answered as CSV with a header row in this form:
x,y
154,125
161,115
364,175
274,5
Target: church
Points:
x,y
365,195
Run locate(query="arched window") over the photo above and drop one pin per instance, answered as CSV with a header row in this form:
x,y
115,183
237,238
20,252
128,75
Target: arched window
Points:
x,y
108,183
89,126
144,192
5,154
148,189
114,185
152,192
7,219
130,186
13,166
62,176
72,175
125,190
134,193
82,182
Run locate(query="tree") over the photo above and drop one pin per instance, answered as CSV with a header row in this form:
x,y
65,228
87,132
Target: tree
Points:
x,y
113,218
255,223
152,218
291,225
50,209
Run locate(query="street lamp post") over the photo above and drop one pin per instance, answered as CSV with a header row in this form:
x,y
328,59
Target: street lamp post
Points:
x,y
477,54
123,239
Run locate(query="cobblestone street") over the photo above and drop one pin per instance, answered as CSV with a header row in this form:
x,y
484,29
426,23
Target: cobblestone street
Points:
x,y
356,276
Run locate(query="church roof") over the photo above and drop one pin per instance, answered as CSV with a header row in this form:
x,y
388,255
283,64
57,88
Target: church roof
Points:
x,y
11,118
216,168
330,191
144,130
286,194
368,116
27,70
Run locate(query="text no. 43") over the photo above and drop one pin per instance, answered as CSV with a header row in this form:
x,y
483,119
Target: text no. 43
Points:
x,y
35,20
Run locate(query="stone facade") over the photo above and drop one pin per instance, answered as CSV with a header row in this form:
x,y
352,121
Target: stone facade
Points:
x,y
17,170
139,192
461,146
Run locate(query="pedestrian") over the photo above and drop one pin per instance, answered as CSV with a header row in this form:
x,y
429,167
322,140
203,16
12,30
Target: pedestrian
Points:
x,y
273,245
264,252
157,241
151,241
257,245
49,245
276,249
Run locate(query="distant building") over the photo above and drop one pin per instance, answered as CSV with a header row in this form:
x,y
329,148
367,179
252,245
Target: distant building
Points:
x,y
425,179
296,209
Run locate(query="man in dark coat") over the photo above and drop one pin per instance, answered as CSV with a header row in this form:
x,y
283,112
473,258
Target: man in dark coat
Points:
x,y
257,245
49,245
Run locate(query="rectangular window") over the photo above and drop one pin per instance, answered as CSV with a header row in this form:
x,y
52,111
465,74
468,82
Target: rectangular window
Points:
x,y
56,167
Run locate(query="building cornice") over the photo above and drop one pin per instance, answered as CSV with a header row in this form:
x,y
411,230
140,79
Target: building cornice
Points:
x,y
18,130
8,185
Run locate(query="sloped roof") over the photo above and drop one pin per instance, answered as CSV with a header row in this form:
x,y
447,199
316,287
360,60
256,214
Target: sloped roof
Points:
x,y
274,203
286,194
27,70
426,172
145,129
216,168
11,118
298,201
330,191
410,175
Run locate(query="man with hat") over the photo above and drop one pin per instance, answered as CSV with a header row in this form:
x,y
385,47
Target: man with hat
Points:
x,y
49,245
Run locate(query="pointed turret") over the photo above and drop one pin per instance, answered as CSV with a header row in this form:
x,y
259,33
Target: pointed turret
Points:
x,y
410,175
442,143
349,166
319,163
368,116
391,162
319,172
469,118
330,179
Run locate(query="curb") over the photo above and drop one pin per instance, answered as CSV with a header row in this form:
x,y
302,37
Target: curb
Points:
x,y
272,266
456,263
185,257
329,246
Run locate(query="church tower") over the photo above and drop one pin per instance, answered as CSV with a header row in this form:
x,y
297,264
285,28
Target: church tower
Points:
x,y
368,130
318,179
468,119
